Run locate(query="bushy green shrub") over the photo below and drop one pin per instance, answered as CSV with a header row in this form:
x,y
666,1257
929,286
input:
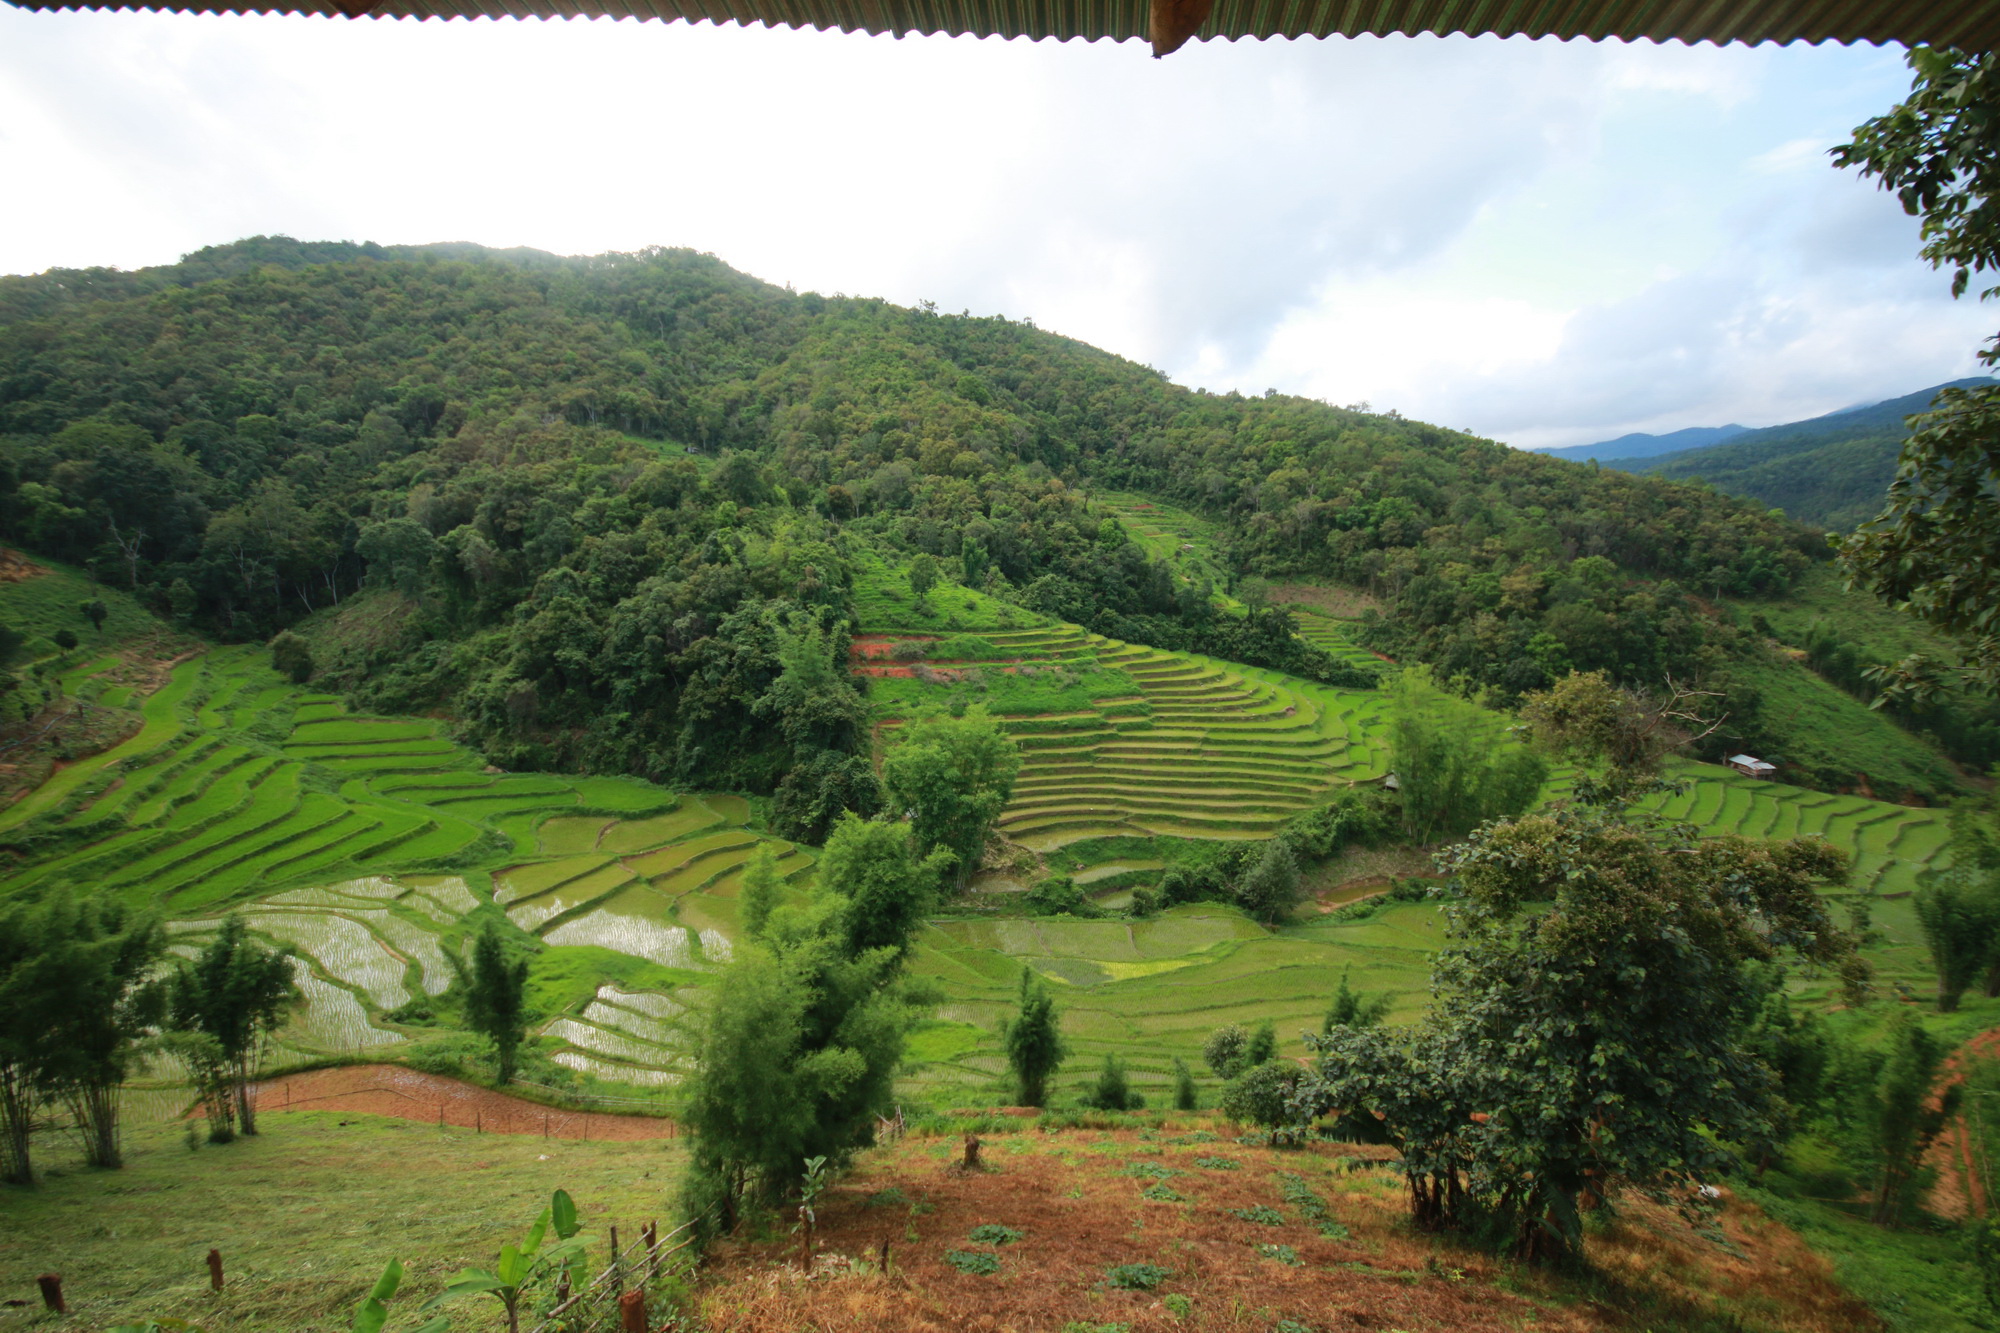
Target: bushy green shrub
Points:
x,y
976,1262
1059,895
1257,1095
1113,1091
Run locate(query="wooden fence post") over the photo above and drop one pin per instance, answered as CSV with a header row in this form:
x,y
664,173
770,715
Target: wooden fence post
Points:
x,y
632,1312
52,1297
617,1273
215,1270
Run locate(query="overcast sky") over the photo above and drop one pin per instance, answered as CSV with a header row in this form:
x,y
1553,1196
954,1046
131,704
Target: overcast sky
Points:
x,y
1545,243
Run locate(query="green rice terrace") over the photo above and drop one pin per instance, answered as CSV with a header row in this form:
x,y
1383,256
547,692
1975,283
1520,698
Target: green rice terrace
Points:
x,y
1186,747
373,844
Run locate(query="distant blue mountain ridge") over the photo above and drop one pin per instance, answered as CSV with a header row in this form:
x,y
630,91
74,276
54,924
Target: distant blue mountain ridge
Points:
x,y
1829,471
1639,445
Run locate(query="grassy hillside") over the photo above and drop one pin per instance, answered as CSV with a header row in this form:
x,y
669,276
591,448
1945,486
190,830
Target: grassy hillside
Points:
x,y
305,1215
374,844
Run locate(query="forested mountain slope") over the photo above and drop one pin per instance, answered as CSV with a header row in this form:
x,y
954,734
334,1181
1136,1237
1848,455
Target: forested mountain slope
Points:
x,y
1829,472
617,506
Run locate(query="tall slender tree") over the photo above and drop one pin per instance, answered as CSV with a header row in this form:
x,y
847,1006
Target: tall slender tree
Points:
x,y
238,992
1035,1047
110,1003
496,999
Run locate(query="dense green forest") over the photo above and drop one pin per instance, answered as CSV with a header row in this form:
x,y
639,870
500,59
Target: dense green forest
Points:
x,y
1829,472
618,504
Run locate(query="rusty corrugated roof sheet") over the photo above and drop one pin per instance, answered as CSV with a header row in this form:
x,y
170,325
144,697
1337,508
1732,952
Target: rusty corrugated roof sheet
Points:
x,y
1973,24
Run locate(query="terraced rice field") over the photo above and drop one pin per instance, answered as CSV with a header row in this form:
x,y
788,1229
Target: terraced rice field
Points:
x,y
1333,638
368,845
1204,749
373,845
1148,991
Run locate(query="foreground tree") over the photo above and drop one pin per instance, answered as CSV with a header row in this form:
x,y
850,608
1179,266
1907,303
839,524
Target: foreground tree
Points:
x,y
109,1004
496,999
1930,551
75,1003
1591,1030
1035,1047
1455,764
761,890
1959,915
1958,903
236,992
796,1051
951,777
1906,1113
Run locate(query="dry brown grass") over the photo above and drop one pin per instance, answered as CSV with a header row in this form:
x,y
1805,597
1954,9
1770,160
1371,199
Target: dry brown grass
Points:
x,y
1327,599
1080,1212
1359,872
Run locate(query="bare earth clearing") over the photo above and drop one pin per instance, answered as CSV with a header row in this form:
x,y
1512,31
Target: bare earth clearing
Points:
x,y
406,1094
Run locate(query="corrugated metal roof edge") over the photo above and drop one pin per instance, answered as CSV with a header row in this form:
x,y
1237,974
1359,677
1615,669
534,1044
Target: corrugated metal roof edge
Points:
x,y
535,8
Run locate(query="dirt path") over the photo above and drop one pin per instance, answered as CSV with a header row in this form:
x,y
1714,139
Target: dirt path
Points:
x,y
409,1095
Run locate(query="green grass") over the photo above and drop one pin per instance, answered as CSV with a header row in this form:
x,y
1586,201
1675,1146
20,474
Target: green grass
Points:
x,y
41,606
241,788
883,600
306,1214
1834,735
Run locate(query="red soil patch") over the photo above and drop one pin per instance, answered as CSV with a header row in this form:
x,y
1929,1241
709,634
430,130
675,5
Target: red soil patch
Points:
x,y
939,673
1959,1193
1080,1211
406,1094
875,647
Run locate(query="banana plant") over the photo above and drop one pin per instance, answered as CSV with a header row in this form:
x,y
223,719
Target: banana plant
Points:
x,y
526,1266
373,1312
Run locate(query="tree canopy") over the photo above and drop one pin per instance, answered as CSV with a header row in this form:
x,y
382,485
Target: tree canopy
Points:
x,y
1931,548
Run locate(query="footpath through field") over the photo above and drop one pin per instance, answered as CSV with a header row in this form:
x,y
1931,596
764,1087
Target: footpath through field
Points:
x,y
407,1094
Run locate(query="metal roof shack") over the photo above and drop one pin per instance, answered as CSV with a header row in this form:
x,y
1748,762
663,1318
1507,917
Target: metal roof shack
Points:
x,y
1167,24
1750,765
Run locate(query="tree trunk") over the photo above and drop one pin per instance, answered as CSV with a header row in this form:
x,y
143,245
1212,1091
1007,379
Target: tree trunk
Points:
x,y
95,1107
246,1105
17,1122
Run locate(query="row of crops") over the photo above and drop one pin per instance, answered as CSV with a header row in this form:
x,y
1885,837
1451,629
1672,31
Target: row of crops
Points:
x,y
1204,749
365,843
